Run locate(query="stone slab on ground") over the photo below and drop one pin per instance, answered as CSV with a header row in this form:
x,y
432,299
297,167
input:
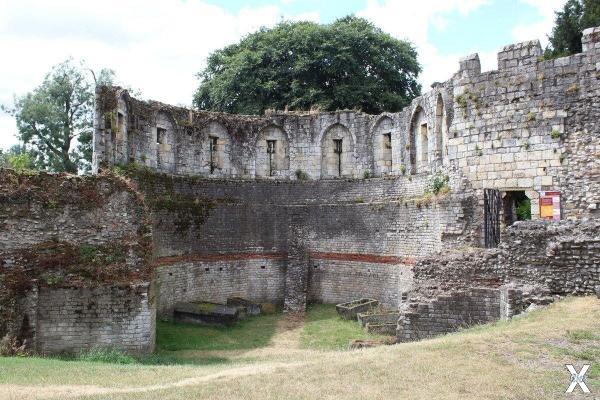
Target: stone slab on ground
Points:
x,y
203,313
378,317
250,308
351,309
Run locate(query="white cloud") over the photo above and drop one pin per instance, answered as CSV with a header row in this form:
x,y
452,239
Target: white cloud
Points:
x,y
155,46
412,20
538,30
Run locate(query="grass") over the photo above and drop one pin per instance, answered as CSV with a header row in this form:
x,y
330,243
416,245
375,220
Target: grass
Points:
x,y
519,359
251,333
324,329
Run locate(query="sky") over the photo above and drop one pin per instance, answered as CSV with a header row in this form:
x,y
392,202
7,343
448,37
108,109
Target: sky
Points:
x,y
158,47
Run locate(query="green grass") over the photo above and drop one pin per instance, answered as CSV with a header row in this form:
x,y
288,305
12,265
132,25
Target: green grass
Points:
x,y
252,333
324,329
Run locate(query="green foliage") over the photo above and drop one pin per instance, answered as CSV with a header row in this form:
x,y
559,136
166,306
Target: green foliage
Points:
x,y
17,158
403,169
325,329
301,175
347,64
555,134
437,183
251,333
55,120
524,210
367,174
105,355
569,24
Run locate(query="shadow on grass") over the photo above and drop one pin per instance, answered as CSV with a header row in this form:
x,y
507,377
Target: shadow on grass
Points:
x,y
252,333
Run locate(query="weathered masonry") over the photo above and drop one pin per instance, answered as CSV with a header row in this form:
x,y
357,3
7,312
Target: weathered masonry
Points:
x,y
240,202
529,126
293,207
75,264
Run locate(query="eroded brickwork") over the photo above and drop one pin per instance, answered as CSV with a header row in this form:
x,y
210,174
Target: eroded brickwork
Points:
x,y
68,245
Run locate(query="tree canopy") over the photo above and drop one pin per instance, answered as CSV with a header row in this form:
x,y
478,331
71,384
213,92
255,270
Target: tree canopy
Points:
x,y
347,64
569,25
55,120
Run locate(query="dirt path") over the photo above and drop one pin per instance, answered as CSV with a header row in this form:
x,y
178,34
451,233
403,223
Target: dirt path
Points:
x,y
287,332
68,391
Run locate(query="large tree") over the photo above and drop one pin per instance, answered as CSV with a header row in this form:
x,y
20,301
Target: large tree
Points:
x,y
54,121
349,63
569,24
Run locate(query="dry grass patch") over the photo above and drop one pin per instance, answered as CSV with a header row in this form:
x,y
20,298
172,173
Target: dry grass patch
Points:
x,y
519,359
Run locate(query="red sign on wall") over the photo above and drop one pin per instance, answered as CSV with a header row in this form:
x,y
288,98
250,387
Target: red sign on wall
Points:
x,y
550,205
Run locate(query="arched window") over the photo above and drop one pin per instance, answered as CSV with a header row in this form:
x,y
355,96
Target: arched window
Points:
x,y
164,138
337,152
419,141
382,146
217,150
272,153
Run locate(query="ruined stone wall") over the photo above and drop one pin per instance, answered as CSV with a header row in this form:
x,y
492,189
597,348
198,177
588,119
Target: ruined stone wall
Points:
x,y
560,257
61,236
71,319
260,279
448,313
363,235
337,281
529,125
536,261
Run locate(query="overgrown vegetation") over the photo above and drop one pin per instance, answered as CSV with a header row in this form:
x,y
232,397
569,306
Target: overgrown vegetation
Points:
x,y
105,355
17,158
301,175
438,183
524,210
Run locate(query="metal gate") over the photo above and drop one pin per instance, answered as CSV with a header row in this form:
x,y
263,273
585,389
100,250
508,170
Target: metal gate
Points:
x,y
492,201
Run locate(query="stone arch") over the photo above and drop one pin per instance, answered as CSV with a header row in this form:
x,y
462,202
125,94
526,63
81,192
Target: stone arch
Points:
x,y
441,131
333,162
165,141
382,146
216,150
272,152
419,141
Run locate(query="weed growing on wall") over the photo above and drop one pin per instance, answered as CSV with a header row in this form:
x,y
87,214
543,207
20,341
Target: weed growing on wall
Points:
x,y
301,175
437,183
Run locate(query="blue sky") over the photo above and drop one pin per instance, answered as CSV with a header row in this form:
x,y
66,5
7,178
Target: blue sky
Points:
x,y
486,28
158,47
